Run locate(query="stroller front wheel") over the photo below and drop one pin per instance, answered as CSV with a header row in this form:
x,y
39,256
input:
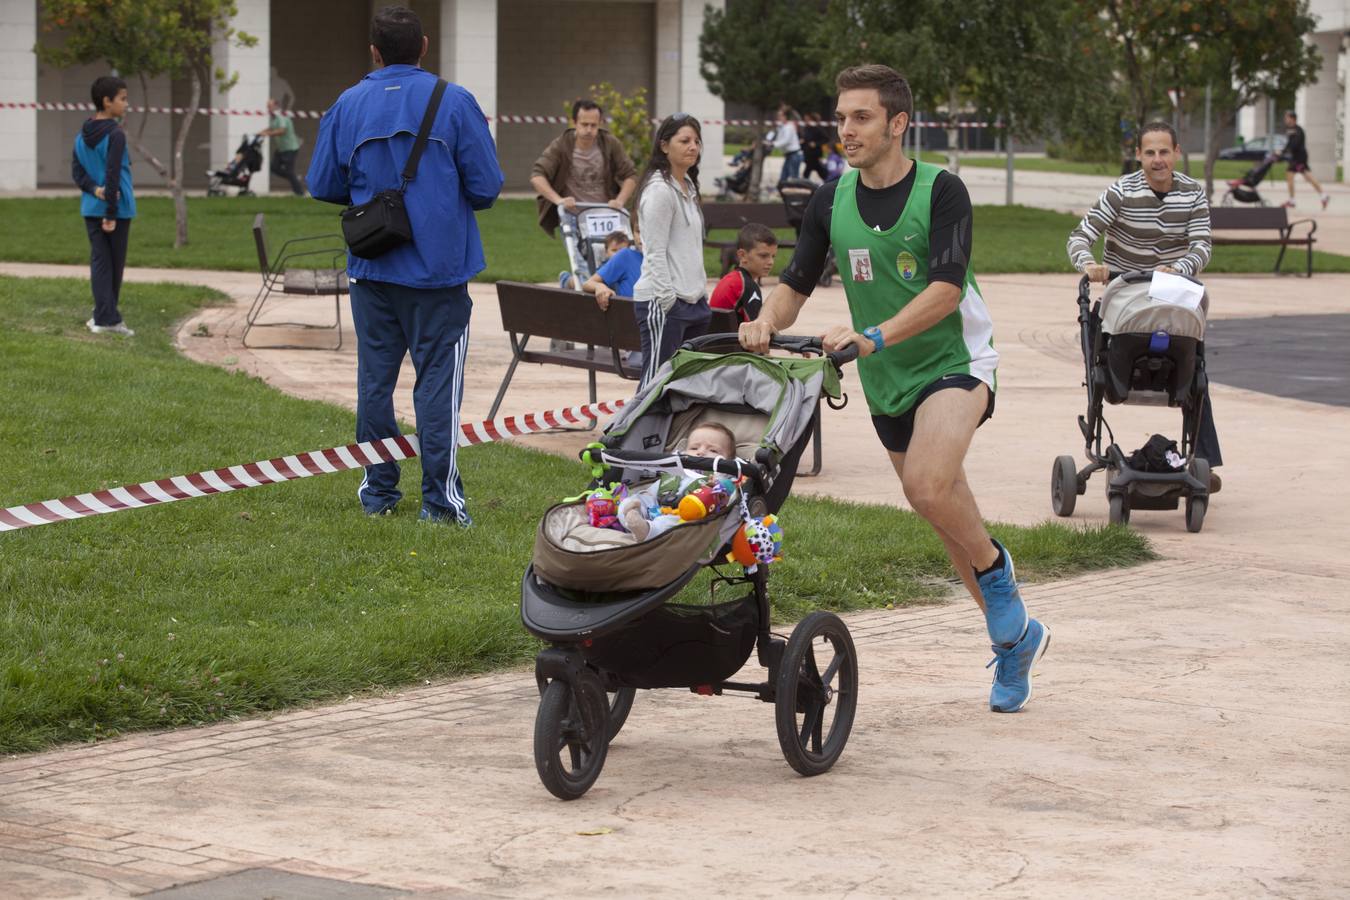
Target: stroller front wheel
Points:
x,y
1063,486
814,705
571,736
1120,509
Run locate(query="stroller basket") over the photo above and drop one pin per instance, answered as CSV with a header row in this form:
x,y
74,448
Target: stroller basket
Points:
x,y
678,645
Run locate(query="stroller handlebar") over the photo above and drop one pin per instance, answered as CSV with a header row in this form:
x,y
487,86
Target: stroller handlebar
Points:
x,y
793,343
1130,277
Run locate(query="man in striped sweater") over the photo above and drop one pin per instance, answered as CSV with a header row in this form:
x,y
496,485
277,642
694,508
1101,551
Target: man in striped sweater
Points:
x,y
1154,218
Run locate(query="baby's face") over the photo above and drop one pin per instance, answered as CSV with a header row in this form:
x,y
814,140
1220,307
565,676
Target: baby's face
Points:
x,y
709,442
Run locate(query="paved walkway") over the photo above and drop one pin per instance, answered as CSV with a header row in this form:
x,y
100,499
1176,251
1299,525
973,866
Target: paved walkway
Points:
x,y
1189,735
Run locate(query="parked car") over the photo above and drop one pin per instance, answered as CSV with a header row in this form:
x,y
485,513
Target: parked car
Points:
x,y
1256,148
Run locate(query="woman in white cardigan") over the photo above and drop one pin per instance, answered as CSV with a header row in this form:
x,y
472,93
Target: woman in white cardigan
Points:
x,y
673,282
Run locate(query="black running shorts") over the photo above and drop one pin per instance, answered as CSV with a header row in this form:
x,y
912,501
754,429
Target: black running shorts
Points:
x,y
896,431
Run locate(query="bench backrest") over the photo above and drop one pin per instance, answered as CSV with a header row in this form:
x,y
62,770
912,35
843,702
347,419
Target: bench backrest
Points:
x,y
1265,217
734,215
573,316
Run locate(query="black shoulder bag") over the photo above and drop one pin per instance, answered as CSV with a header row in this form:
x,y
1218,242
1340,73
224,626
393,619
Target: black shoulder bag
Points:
x,y
381,223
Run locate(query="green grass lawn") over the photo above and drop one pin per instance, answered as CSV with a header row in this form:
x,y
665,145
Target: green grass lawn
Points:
x,y
261,599
1007,239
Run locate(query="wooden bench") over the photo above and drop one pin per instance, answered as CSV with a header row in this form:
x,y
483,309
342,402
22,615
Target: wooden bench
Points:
x,y
1264,218
722,216
550,313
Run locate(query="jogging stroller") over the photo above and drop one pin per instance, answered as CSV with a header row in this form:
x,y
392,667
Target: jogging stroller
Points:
x,y
1140,350
239,171
1243,190
603,601
796,194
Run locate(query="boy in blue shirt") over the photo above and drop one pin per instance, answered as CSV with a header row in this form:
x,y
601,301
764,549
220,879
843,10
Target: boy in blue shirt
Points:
x,y
616,279
101,167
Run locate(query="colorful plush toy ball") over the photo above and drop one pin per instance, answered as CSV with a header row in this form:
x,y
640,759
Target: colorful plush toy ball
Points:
x,y
759,541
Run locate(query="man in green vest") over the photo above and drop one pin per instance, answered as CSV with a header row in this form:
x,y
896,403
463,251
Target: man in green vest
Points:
x,y
901,233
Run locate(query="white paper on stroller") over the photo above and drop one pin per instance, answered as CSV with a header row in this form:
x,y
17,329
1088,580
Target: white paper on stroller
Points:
x,y
598,225
1177,289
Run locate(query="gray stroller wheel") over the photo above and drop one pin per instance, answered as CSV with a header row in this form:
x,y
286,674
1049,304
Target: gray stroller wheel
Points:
x,y
571,736
1063,486
1120,509
806,694
1197,504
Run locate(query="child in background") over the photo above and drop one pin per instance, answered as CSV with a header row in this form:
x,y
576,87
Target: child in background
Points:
x,y
641,513
619,272
739,289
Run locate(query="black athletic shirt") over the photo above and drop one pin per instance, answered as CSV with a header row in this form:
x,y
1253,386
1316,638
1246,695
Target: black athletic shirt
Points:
x,y
949,237
1296,147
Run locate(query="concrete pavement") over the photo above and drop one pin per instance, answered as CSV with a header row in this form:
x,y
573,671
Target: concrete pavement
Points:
x,y
1189,735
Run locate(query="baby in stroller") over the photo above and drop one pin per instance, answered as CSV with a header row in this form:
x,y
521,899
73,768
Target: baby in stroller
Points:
x,y
601,598
1142,343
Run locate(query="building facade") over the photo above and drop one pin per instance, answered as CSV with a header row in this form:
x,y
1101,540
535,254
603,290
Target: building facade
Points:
x,y
518,57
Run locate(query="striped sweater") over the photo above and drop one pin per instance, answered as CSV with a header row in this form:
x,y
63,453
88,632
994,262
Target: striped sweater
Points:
x,y
1143,232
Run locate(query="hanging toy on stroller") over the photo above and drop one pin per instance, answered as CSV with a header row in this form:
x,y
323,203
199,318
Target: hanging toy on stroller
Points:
x,y
238,171
1150,350
602,598
1243,190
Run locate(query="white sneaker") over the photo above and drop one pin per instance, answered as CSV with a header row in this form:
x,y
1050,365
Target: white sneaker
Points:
x,y
1326,198
120,328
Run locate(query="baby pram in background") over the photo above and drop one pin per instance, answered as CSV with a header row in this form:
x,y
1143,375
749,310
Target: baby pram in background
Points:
x,y
239,171
1243,190
796,194
601,602
1141,350
736,183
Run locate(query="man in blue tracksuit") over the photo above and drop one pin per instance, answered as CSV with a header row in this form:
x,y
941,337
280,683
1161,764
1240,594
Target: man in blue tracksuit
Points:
x,y
101,167
412,299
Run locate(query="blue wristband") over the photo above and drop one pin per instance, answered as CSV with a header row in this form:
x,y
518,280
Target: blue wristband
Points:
x,y
875,334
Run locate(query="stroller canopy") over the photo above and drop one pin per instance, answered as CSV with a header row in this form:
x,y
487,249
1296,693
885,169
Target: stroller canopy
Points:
x,y
1128,309
784,389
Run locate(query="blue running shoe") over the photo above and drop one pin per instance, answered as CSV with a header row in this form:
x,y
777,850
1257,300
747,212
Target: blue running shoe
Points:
x,y
1004,612
1012,678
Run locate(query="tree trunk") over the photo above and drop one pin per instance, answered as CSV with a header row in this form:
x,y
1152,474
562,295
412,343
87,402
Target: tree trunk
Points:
x,y
180,213
1212,150
138,142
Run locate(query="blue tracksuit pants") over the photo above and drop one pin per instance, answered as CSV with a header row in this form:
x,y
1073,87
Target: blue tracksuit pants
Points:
x,y
431,324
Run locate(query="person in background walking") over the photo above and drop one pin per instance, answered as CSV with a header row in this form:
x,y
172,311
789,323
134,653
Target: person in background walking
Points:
x,y
785,139
285,145
1296,153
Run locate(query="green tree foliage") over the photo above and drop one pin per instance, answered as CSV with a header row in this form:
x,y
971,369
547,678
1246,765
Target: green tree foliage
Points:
x,y
756,52
145,39
1037,67
628,118
1241,50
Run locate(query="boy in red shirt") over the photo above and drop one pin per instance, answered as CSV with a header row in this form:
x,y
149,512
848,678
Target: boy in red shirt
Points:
x,y
756,249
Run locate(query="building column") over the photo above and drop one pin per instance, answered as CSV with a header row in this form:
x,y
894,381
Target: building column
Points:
x,y
1252,121
253,64
469,51
1317,105
679,86
18,82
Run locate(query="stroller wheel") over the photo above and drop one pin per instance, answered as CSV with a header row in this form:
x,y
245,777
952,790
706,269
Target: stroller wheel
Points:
x,y
1197,504
814,703
1120,509
1063,486
620,705
571,736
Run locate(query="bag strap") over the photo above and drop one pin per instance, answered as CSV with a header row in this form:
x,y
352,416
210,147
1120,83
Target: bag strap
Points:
x,y
423,132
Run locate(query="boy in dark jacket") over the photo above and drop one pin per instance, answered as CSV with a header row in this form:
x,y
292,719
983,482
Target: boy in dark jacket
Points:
x,y
101,167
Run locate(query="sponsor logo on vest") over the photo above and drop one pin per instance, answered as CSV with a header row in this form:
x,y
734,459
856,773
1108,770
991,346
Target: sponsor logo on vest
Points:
x,y
906,264
860,264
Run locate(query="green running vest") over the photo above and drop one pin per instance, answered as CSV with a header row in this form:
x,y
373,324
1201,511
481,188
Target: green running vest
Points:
x,y
882,272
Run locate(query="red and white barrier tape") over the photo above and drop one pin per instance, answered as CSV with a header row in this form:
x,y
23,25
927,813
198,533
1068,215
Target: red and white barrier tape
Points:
x,y
285,468
317,114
